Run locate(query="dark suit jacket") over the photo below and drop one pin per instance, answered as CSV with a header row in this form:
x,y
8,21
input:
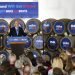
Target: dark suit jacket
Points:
x,y
13,32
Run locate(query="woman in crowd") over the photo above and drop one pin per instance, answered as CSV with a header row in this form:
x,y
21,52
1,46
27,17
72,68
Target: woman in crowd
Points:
x,y
12,59
27,69
64,57
56,63
42,70
70,65
57,71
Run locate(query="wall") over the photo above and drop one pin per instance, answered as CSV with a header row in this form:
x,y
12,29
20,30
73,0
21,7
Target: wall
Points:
x,y
55,9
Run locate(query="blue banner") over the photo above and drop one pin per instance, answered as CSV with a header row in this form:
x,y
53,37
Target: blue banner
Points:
x,y
18,9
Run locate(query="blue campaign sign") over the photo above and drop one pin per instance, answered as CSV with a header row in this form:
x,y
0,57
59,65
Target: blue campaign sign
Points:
x,y
18,9
71,27
46,27
52,43
3,26
38,42
59,27
65,43
32,27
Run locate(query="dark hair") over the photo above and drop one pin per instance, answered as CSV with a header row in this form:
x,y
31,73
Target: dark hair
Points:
x,y
69,65
42,70
12,71
34,63
71,50
5,65
73,58
57,71
7,69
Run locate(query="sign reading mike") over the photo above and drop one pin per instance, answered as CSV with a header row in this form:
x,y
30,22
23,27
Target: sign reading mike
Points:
x,y
46,27
38,42
71,27
3,26
52,43
65,43
59,27
18,9
33,26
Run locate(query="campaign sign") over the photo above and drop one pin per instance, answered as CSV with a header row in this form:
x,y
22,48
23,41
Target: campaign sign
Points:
x,y
32,27
46,27
59,27
27,40
18,9
71,27
52,43
3,56
35,54
3,26
65,43
38,42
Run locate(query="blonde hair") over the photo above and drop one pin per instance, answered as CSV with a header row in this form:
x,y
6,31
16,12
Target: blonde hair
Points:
x,y
57,62
64,56
36,73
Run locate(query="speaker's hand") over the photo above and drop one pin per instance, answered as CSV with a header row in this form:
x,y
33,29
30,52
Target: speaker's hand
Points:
x,y
25,30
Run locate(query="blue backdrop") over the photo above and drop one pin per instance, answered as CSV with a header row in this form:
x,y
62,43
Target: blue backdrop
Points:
x,y
18,9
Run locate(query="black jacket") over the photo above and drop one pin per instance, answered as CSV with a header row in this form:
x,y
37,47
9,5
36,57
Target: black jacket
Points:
x,y
13,32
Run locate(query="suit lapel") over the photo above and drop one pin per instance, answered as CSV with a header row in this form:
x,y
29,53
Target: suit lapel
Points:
x,y
15,31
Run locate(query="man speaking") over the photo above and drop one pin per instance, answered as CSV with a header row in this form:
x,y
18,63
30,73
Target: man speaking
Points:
x,y
16,30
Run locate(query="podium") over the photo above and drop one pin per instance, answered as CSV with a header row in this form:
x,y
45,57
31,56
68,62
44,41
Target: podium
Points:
x,y
18,40
17,45
17,48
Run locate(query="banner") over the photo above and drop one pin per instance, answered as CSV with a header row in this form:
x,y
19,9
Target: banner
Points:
x,y
18,9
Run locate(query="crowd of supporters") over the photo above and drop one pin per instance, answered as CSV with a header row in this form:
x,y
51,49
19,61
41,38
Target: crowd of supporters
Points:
x,y
61,64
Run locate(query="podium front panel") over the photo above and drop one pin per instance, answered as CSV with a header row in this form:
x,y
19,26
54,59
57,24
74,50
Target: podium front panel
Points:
x,y
18,40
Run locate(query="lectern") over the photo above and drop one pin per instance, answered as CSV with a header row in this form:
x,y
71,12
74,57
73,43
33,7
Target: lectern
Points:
x,y
17,45
17,48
